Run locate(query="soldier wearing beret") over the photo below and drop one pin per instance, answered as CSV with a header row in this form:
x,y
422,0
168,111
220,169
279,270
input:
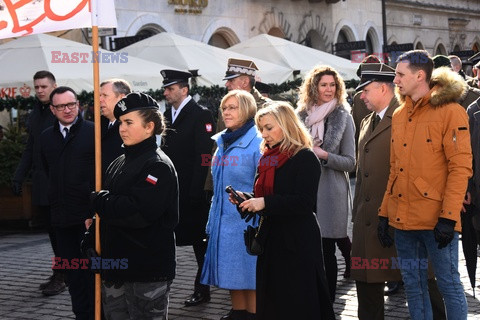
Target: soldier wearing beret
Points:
x,y
138,211
187,142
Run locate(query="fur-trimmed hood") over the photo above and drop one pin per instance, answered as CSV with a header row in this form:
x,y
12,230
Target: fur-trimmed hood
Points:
x,y
446,86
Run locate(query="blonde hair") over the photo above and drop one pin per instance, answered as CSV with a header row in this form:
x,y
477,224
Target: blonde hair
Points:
x,y
247,107
296,136
309,88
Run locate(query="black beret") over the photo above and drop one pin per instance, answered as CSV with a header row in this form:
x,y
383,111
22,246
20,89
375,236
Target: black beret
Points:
x,y
171,77
134,101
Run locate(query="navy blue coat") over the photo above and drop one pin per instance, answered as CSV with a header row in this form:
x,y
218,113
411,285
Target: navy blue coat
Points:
x,y
70,166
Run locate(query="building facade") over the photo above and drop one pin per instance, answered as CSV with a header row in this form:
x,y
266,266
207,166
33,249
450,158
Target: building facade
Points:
x,y
438,26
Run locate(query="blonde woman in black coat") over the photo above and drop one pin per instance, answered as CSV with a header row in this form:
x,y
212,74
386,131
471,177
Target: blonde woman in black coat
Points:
x,y
291,282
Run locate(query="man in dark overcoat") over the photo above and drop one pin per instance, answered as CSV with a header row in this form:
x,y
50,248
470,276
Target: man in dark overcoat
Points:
x,y
68,156
371,263
111,91
40,119
187,143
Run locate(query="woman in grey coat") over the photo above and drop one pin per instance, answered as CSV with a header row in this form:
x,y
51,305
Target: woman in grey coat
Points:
x,y
325,112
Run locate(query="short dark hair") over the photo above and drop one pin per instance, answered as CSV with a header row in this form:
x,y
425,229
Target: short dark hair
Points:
x,y
184,85
60,90
154,116
119,86
44,74
418,60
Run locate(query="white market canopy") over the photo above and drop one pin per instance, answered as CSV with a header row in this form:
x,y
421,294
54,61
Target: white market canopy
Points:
x,y
211,62
71,63
293,55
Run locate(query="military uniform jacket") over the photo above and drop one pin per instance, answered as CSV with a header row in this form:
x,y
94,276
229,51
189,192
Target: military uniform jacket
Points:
x,y
70,166
40,119
373,167
187,142
139,214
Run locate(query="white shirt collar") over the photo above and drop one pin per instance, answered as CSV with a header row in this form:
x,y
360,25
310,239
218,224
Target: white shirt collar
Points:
x,y
68,127
176,112
382,113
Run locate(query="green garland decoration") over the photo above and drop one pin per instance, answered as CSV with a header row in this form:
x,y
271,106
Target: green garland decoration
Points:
x,y
210,97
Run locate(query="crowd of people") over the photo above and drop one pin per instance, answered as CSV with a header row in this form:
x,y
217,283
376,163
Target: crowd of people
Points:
x,y
408,139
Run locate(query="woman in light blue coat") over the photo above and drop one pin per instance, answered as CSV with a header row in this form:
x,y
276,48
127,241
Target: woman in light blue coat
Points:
x,y
227,264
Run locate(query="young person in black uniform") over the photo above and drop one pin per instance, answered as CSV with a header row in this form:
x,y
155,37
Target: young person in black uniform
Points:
x,y
111,92
40,119
187,142
291,281
68,156
138,211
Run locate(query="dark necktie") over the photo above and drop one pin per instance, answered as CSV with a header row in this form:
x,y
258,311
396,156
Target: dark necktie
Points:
x,y
110,125
376,121
66,133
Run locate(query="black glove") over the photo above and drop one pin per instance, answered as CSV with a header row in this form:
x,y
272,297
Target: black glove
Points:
x,y
87,246
382,232
96,197
444,232
17,188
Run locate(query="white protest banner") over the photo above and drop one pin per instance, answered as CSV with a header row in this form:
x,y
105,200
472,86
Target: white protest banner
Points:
x,y
23,17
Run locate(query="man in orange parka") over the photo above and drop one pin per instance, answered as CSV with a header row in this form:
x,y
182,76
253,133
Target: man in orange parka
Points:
x,y
430,163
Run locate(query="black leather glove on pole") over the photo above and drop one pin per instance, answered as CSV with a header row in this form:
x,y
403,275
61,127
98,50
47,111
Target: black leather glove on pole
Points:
x,y
382,231
444,232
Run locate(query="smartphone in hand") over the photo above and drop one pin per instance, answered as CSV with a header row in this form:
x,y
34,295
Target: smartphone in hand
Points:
x,y
235,195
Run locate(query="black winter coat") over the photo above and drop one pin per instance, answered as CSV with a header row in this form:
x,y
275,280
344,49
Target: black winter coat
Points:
x,y
40,119
291,281
139,213
70,166
187,142
111,143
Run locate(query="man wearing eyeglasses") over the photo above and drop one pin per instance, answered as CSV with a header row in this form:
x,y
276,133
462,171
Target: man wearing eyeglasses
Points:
x,y
186,143
39,119
68,156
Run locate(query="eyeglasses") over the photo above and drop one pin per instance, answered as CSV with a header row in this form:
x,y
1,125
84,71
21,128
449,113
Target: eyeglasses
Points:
x,y
229,108
61,107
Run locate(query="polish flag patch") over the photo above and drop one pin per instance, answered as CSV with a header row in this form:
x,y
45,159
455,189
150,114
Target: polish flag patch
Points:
x,y
208,127
151,179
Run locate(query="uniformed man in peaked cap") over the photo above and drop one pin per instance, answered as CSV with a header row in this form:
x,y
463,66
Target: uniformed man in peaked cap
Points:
x,y
186,143
373,168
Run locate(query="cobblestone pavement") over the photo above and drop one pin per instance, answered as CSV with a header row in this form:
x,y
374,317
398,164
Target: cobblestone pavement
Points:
x,y
25,260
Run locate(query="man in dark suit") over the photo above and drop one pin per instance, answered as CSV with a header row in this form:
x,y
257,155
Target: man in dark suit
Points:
x,y
111,91
68,155
188,139
40,119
